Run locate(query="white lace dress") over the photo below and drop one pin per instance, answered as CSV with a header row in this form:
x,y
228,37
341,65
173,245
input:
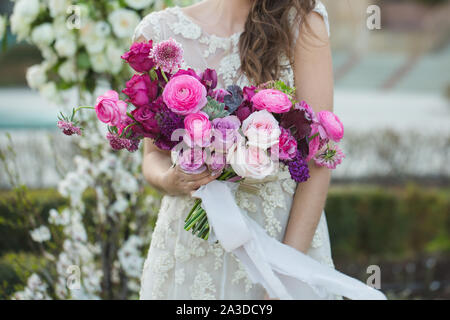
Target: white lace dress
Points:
x,y
180,265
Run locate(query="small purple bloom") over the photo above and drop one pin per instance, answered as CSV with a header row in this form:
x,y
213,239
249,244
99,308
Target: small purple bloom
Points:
x,y
225,132
298,169
69,128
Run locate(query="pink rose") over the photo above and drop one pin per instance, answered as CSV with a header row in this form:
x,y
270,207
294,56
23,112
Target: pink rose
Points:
x,y
272,100
184,95
261,129
332,125
250,162
110,109
139,56
192,161
198,130
141,90
287,147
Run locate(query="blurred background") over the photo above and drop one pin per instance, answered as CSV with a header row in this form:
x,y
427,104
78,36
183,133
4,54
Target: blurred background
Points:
x,y
389,204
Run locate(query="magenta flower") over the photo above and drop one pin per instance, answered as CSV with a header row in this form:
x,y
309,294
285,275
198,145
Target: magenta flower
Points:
x,y
219,95
209,79
287,146
141,90
110,109
190,72
333,127
139,56
198,130
117,143
329,156
69,128
309,112
272,100
184,95
147,118
168,55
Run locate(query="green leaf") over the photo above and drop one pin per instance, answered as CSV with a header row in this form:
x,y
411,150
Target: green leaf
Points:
x,y
215,109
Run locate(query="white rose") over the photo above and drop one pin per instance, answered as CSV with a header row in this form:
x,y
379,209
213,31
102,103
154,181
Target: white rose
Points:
x,y
66,47
99,62
139,4
2,26
36,76
43,34
89,36
114,53
58,7
67,71
124,22
250,162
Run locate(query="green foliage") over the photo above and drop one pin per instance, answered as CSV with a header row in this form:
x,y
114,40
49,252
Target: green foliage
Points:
x,y
215,109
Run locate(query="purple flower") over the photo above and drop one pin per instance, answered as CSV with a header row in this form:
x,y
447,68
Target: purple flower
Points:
x,y
216,162
147,118
168,55
209,79
309,112
298,169
219,95
117,143
244,110
225,132
168,122
69,128
138,56
192,161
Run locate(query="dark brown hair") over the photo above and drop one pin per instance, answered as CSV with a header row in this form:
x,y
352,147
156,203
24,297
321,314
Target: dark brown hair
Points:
x,y
268,34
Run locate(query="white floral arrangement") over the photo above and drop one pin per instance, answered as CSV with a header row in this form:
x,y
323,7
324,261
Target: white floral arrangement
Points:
x,y
81,42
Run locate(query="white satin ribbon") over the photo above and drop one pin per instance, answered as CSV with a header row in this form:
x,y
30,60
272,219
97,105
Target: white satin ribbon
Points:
x,y
284,272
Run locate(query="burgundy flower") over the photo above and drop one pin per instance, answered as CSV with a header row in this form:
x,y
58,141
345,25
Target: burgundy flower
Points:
x,y
249,92
297,121
209,79
147,118
189,72
139,56
141,90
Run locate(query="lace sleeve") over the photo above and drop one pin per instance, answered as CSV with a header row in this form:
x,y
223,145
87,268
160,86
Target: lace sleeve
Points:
x,y
150,28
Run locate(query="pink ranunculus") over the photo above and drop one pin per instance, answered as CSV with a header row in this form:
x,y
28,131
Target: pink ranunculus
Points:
x,y
138,56
192,161
110,109
261,129
225,133
185,95
250,162
287,147
272,100
141,90
198,130
332,125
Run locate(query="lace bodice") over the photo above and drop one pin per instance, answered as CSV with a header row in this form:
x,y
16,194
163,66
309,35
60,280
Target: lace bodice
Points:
x,y
203,50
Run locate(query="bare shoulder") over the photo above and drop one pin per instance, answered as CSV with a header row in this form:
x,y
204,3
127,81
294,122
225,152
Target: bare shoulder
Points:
x,y
314,30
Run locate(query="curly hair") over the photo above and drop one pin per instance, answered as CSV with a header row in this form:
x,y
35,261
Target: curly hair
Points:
x,y
268,34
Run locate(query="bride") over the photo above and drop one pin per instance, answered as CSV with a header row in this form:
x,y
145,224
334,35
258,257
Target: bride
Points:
x,y
246,41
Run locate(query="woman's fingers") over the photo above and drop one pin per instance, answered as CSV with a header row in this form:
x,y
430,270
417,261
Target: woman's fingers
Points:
x,y
193,177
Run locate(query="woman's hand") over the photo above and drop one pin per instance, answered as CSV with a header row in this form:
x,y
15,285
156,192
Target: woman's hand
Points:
x,y
176,182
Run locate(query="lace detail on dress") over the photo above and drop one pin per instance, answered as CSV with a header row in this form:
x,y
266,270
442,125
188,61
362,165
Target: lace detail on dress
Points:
x,y
184,26
203,287
150,27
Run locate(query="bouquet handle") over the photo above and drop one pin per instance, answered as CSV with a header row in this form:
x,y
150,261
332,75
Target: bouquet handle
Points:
x,y
284,272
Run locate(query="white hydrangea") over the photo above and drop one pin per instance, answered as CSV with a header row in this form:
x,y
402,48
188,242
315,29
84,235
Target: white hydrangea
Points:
x,y
124,22
139,4
43,34
114,53
91,36
99,62
58,7
24,13
40,234
67,71
66,46
36,76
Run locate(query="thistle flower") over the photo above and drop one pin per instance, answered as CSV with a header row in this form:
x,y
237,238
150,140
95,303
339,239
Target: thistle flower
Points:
x,y
168,55
329,156
69,128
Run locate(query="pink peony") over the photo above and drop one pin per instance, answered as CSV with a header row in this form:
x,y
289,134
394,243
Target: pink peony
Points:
x,y
141,90
332,125
287,147
168,55
184,95
138,56
261,129
198,130
192,161
250,162
110,109
272,100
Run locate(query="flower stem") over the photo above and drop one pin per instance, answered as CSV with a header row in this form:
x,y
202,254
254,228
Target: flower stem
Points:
x,y
164,75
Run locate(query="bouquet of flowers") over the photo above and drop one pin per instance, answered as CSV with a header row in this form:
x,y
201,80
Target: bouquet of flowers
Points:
x,y
242,133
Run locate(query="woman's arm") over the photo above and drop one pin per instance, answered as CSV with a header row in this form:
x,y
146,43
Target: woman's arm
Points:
x,y
314,82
